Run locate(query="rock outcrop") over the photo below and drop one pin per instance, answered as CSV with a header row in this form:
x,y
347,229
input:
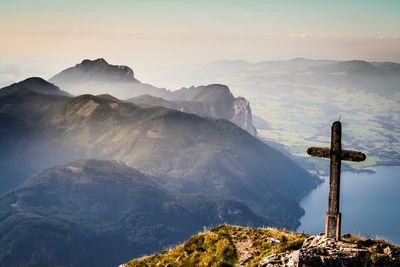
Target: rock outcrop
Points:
x,y
242,115
321,251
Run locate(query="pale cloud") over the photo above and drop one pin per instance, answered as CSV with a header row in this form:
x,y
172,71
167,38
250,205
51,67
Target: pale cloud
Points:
x,y
394,37
300,35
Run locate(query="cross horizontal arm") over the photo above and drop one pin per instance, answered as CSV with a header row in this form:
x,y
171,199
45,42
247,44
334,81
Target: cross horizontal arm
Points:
x,y
324,152
351,155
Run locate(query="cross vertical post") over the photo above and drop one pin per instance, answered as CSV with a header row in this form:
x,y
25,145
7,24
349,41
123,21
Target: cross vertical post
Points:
x,y
333,216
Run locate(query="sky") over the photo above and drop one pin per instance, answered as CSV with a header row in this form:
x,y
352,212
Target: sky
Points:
x,y
154,33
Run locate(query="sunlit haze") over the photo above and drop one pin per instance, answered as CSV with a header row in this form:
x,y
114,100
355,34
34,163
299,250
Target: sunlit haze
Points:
x,y
199,133
151,36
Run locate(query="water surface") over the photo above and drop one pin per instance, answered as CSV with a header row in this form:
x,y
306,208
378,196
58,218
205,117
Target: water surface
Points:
x,y
369,202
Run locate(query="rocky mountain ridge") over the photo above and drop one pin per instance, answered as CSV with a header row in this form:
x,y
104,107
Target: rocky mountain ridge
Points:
x,y
186,153
212,101
99,77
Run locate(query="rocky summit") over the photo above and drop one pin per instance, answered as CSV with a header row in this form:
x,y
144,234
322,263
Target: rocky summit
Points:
x,y
228,245
321,251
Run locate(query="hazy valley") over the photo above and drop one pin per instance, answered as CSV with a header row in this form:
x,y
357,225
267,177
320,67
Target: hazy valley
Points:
x,y
101,213
299,99
188,165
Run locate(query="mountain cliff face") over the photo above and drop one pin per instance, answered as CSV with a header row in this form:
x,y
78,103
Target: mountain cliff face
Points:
x,y
187,153
101,213
99,77
213,101
242,115
222,104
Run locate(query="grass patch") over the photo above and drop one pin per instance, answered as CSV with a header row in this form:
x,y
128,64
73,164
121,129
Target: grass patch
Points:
x,y
221,246
213,248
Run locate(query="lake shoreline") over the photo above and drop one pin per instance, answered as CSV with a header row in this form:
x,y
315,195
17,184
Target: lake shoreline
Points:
x,y
369,204
347,168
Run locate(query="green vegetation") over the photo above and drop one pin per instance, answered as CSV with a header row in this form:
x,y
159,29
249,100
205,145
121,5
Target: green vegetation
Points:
x,y
213,248
226,245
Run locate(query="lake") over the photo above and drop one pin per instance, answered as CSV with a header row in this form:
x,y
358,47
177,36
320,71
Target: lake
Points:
x,y
369,203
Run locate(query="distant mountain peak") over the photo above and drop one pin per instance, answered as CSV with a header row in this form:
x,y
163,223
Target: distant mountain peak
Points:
x,y
117,71
299,59
38,80
204,93
99,77
356,63
34,84
95,70
95,61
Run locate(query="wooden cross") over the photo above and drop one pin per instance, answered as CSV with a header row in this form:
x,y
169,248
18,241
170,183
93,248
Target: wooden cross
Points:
x,y
336,154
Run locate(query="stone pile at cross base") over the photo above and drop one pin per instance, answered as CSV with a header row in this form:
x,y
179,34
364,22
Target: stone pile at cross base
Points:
x,y
321,251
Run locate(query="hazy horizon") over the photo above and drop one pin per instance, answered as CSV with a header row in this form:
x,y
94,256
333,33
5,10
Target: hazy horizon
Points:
x,y
48,36
156,75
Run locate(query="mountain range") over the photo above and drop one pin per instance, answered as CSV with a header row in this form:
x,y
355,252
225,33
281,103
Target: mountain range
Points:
x,y
156,174
188,153
99,77
213,101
